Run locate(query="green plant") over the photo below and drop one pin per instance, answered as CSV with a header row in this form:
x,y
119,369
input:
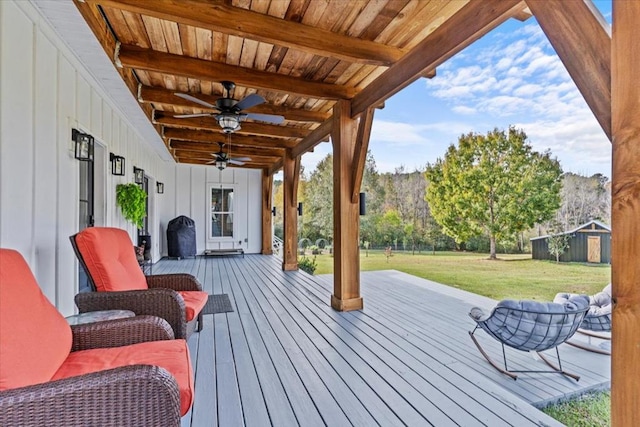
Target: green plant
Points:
x,y
131,200
307,264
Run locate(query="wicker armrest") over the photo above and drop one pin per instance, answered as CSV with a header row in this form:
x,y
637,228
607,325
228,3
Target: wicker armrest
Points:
x,y
178,282
120,332
164,303
138,395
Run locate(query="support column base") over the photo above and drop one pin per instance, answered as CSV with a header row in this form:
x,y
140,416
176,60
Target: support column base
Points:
x,y
346,304
267,252
289,267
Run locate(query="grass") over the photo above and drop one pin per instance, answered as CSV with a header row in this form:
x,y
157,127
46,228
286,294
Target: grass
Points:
x,y
514,277
511,276
589,410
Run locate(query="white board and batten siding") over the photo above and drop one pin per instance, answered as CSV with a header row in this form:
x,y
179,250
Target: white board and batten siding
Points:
x,y
45,92
192,200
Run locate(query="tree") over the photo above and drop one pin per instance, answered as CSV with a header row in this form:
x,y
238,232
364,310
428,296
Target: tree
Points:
x,y
558,242
390,227
493,184
583,199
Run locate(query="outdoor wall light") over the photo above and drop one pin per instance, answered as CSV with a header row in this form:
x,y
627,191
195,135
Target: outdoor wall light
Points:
x,y
117,164
83,146
300,209
273,211
160,187
138,175
363,204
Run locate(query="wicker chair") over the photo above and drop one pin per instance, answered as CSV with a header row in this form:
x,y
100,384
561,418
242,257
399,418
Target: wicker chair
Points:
x,y
107,255
597,320
125,372
530,326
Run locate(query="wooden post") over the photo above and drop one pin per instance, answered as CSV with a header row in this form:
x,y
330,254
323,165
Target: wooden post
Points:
x,y
267,227
291,169
346,219
625,211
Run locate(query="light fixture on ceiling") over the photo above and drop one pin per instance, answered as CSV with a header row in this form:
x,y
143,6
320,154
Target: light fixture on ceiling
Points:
x,y
221,164
228,122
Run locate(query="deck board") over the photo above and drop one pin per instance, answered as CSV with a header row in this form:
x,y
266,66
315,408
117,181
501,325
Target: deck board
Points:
x,y
284,357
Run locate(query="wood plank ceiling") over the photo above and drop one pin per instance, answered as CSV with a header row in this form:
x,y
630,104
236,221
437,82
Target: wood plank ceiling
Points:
x,y
300,55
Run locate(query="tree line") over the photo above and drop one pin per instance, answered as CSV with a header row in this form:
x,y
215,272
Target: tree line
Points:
x,y
489,193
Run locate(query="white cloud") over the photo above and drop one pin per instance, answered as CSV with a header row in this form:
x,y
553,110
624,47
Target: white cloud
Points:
x,y
462,109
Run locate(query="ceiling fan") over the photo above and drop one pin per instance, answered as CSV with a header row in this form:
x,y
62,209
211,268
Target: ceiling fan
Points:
x,y
230,110
222,159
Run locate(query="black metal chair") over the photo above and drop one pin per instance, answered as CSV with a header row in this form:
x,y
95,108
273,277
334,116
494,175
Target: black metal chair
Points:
x,y
531,326
597,320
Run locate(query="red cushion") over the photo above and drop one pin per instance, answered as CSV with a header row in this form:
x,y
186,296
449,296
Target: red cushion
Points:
x,y
110,259
171,355
34,337
194,302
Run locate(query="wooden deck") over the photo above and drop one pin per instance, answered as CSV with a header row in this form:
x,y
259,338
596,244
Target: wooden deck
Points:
x,y
285,358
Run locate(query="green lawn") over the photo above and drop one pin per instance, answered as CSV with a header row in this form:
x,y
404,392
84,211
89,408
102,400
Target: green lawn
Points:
x,y
511,276
590,410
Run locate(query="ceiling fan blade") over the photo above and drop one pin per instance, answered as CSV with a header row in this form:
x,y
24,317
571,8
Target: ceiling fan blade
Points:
x,y
249,101
241,159
194,99
235,162
186,116
270,118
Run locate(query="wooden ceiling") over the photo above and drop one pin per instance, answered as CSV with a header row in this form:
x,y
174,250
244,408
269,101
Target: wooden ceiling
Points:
x,y
300,55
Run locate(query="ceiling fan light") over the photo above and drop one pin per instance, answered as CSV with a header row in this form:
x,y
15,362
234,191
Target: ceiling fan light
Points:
x,y
221,164
228,122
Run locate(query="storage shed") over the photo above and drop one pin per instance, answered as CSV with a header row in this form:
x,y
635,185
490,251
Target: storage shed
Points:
x,y
590,242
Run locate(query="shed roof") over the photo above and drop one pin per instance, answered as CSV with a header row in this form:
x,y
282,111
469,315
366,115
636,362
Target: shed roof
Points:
x,y
580,227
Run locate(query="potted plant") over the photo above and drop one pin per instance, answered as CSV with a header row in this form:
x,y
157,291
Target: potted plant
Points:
x,y
132,202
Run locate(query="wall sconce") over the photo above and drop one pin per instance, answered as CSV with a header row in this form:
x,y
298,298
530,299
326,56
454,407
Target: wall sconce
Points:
x,y
160,187
117,164
138,175
300,209
83,146
273,211
363,204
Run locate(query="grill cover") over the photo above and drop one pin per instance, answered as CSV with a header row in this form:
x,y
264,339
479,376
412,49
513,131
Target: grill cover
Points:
x,y
181,237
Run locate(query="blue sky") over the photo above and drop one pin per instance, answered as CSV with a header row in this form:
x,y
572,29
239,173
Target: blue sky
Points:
x,y
512,76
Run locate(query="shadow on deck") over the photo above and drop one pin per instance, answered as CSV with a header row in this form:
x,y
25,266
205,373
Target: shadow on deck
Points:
x,y
284,357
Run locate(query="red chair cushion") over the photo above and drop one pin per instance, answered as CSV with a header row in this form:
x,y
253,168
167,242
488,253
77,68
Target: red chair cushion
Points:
x,y
194,302
109,256
171,355
34,337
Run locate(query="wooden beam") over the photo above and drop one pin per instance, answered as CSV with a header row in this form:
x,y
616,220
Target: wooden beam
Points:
x,y
580,36
360,153
291,168
215,137
236,150
313,139
156,95
625,211
276,167
346,219
267,204
471,22
168,63
246,128
220,17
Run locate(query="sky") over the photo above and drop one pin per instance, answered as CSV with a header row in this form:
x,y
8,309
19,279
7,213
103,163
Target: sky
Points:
x,y
512,76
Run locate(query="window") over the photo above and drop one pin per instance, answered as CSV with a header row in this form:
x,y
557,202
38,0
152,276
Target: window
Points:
x,y
221,212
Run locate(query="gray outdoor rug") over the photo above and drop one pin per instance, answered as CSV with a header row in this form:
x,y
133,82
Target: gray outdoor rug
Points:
x,y
218,303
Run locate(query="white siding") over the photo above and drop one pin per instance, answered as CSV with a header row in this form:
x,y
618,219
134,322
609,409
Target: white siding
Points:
x,y
45,92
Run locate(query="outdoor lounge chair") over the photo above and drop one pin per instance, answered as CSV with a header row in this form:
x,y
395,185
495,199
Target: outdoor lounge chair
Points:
x,y
125,372
107,255
596,321
531,326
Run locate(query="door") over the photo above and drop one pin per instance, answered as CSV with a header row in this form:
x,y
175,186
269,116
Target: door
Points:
x,y
221,228
86,212
593,249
